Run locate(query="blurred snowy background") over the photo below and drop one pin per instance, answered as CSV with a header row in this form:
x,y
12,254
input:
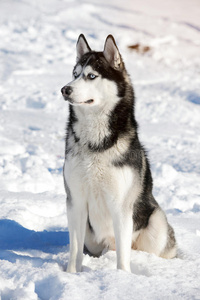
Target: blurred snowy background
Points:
x,y
37,53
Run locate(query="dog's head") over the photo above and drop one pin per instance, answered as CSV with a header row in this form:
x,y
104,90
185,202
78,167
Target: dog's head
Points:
x,y
98,77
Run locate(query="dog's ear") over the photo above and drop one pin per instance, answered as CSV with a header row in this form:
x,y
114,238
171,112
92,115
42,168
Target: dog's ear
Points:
x,y
112,54
82,47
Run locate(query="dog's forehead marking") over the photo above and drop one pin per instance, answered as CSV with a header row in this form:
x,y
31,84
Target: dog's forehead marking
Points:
x,y
84,67
81,67
78,69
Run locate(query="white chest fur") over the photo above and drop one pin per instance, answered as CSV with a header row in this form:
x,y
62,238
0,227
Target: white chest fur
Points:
x,y
92,177
94,180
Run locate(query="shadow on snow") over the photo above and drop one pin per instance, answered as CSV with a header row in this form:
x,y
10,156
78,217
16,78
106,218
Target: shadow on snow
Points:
x,y
13,236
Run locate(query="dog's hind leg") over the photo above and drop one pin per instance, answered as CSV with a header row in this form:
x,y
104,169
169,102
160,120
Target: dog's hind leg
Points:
x,y
170,250
155,237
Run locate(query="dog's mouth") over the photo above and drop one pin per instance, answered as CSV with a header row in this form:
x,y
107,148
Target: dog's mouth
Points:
x,y
89,101
72,102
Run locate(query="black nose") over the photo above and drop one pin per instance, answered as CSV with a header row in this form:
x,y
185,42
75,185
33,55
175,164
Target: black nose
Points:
x,y
66,91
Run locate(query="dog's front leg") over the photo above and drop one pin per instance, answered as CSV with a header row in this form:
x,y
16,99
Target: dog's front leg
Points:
x,y
77,216
123,228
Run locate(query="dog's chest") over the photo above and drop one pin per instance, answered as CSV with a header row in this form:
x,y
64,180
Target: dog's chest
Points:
x,y
93,173
93,179
97,179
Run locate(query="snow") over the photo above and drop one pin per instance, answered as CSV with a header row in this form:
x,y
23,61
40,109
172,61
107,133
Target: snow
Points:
x,y
37,53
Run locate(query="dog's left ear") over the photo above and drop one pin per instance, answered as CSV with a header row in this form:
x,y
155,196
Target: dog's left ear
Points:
x,y
112,54
82,47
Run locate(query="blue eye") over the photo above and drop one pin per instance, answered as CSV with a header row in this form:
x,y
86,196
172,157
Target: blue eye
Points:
x,y
91,76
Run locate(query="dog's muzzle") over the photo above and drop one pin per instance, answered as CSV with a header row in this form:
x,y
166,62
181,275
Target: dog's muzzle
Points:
x,y
66,91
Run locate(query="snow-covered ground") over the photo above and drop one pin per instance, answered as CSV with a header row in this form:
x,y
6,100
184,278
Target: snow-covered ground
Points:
x,y
37,52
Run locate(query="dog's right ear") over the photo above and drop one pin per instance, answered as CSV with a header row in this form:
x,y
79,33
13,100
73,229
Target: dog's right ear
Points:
x,y
82,47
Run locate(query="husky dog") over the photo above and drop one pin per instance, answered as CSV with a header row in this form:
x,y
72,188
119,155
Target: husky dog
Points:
x,y
106,172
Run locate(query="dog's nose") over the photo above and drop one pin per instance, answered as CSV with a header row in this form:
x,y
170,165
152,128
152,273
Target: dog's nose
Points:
x,y
66,90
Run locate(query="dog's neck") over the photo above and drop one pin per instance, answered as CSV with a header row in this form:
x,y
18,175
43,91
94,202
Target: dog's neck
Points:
x,y
92,125
100,128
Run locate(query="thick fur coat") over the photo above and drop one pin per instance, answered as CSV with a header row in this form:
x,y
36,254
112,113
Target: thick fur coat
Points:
x,y
106,172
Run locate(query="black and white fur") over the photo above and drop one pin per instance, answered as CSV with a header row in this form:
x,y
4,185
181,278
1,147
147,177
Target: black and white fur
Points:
x,y
106,172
